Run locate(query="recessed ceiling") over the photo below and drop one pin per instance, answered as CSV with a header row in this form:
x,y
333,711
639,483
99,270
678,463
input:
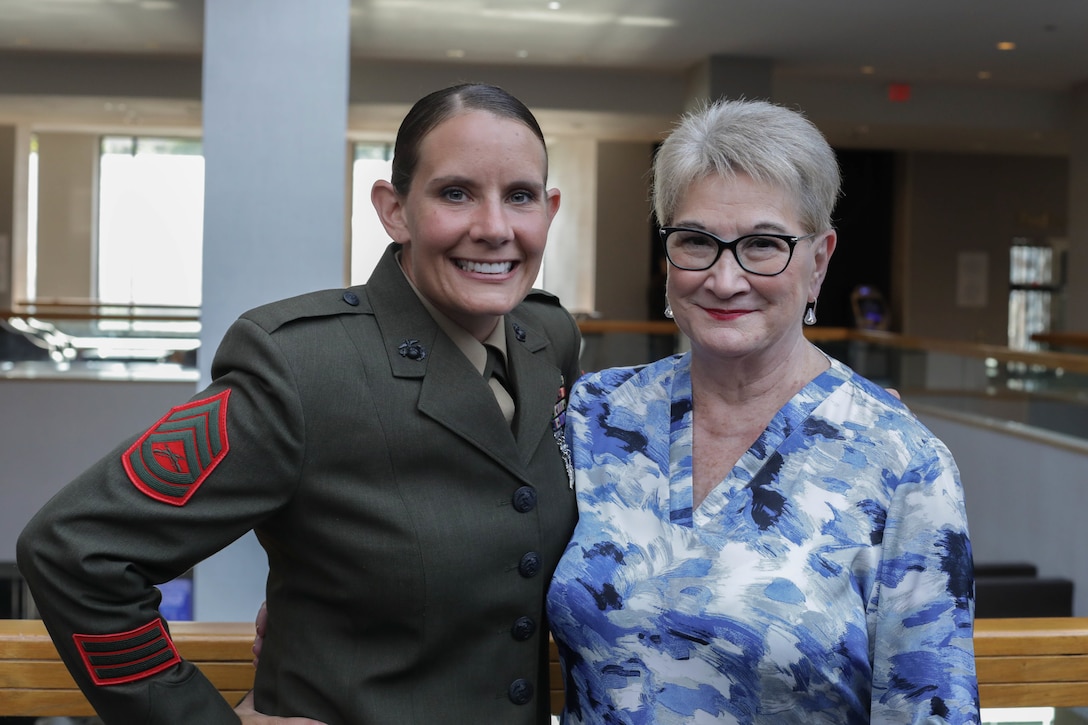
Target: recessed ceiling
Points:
x,y
917,41
936,42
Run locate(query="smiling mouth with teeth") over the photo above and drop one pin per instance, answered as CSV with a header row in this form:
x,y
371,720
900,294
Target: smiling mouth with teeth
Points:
x,y
485,267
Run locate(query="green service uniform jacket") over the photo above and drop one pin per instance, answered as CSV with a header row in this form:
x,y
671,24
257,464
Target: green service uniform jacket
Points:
x,y
410,534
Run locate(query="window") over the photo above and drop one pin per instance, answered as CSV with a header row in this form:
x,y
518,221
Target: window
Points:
x,y
32,221
114,243
372,161
1034,282
150,221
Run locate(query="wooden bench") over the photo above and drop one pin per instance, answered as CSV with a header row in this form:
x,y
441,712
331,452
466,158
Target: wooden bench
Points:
x,y
1039,662
33,680
1020,662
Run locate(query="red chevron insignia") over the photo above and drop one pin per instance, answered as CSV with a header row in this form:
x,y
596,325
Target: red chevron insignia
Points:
x,y
112,659
170,461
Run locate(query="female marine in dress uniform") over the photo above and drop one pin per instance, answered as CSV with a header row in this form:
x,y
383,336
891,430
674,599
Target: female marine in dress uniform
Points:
x,y
411,526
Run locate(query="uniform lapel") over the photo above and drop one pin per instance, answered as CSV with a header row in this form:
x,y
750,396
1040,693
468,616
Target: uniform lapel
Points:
x,y
451,391
458,397
537,383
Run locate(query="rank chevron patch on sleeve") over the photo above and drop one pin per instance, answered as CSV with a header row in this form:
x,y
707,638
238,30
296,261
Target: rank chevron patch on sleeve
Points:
x,y
112,659
172,459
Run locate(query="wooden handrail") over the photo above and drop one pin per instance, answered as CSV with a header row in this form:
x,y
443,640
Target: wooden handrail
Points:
x,y
1062,339
104,311
1020,663
83,303
1070,362
641,327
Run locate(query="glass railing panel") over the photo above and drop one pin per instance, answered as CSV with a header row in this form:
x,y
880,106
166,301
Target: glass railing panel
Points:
x,y
1043,390
71,332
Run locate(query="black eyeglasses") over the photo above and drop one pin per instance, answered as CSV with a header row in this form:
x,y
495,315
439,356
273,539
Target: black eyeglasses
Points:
x,y
763,254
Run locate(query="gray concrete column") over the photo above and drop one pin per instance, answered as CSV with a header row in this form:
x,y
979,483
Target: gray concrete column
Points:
x,y
275,96
1076,291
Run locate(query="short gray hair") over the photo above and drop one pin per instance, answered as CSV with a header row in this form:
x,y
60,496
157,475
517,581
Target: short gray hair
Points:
x,y
770,143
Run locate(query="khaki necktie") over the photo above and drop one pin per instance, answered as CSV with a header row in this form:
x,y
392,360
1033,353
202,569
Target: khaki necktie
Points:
x,y
495,374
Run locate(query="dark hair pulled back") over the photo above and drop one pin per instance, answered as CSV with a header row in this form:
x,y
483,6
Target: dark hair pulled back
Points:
x,y
436,107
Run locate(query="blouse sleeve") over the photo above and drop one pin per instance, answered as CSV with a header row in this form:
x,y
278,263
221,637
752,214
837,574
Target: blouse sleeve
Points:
x,y
921,614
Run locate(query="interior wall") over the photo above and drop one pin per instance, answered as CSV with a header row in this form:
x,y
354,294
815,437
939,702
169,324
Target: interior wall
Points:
x,y
973,205
51,430
623,242
620,91
100,74
1076,301
67,215
624,235
1025,499
8,196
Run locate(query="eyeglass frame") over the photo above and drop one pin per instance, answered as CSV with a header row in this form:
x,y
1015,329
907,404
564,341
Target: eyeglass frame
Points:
x,y
790,240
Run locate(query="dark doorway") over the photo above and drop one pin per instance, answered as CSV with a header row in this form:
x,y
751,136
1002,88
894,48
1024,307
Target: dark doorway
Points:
x,y
863,220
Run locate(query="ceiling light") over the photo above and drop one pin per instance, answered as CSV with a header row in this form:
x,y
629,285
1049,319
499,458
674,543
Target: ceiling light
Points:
x,y
643,21
543,16
984,75
554,5
1006,45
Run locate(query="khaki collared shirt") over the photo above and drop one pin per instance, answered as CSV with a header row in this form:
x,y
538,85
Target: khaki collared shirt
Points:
x,y
472,348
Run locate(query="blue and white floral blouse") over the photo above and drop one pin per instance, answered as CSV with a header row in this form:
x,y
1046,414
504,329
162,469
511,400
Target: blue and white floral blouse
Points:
x,y
827,579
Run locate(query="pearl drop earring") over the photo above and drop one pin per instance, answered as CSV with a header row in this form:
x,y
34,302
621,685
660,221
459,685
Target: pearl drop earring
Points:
x,y
810,313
